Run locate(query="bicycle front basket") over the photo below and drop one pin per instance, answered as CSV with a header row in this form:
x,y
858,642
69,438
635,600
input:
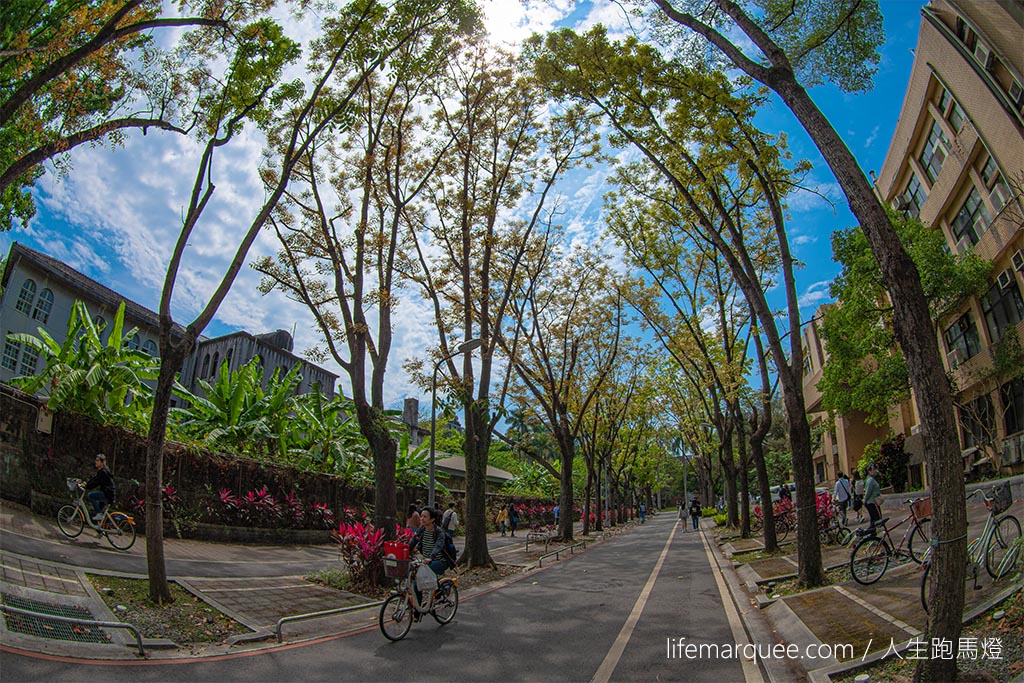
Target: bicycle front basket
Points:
x,y
1002,499
923,507
72,485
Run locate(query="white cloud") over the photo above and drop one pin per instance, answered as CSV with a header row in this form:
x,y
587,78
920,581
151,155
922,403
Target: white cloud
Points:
x,y
800,240
815,295
510,22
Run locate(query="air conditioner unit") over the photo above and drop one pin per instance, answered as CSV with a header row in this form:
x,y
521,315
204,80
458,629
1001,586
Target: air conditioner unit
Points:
x,y
1013,452
1018,261
1005,279
1000,196
954,358
963,245
1015,91
983,54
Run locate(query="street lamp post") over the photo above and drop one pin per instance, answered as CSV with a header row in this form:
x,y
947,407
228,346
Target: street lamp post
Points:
x,y
464,347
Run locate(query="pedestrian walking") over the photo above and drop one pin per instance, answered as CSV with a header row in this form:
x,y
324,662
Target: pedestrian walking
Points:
x,y
450,520
842,494
695,512
873,496
502,520
643,513
784,494
858,496
513,518
556,515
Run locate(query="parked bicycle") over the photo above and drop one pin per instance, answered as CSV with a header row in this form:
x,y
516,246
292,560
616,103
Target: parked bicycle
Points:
x,y
998,547
118,527
783,517
870,557
831,529
439,597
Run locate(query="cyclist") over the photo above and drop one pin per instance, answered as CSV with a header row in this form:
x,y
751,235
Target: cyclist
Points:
x,y
429,540
103,482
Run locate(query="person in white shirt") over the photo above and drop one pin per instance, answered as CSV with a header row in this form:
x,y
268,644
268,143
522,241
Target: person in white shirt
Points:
x,y
450,520
842,494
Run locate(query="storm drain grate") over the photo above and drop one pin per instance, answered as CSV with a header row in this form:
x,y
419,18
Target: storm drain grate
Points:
x,y
45,628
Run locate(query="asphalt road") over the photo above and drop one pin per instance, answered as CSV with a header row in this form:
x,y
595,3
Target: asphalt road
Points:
x,y
558,624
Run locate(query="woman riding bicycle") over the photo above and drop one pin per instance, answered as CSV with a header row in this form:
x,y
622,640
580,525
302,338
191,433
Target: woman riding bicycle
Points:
x,y
103,482
430,541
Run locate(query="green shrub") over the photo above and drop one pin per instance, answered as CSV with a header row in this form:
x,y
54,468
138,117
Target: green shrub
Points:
x,y
708,512
722,519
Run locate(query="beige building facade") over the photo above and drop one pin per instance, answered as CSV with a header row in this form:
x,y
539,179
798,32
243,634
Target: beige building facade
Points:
x,y
956,161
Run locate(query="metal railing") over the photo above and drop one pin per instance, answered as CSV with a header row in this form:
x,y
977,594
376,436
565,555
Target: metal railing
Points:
x,y
75,620
325,613
556,553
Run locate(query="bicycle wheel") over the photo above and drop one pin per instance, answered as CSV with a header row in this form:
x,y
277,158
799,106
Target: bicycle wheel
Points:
x,y
926,585
70,521
395,617
120,531
869,561
919,539
447,602
781,529
1003,547
844,536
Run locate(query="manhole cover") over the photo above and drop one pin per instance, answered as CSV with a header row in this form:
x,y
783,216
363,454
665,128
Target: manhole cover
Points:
x,y
46,628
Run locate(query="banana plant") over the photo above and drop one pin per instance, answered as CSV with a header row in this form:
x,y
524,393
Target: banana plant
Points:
x,y
84,374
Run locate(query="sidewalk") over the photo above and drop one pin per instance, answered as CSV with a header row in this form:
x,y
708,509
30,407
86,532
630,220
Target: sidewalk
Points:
x,y
870,618
254,585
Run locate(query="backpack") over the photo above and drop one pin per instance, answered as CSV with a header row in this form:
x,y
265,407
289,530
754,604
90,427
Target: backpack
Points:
x,y
446,519
451,555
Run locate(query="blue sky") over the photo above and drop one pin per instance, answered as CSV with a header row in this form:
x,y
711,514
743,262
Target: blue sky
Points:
x,y
116,214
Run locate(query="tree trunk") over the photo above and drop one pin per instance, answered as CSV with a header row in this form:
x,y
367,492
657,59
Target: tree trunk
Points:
x,y
566,447
771,542
171,357
744,475
598,501
374,428
586,501
475,449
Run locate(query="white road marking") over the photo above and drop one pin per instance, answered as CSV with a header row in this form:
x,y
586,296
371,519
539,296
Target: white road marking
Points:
x,y
611,660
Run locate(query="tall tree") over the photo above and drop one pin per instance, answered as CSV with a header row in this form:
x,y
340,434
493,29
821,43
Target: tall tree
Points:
x,y
481,217
566,323
357,41
800,44
343,227
712,173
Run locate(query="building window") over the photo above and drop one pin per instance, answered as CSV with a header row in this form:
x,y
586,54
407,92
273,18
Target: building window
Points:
x,y
206,366
1003,309
976,422
962,337
10,358
227,358
913,197
1012,394
29,358
807,362
972,220
26,297
950,109
149,348
996,189
215,365
935,151
43,305
133,342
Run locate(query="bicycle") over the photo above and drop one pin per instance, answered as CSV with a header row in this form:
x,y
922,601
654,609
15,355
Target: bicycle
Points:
x,y
870,557
831,531
401,607
782,518
118,527
1000,541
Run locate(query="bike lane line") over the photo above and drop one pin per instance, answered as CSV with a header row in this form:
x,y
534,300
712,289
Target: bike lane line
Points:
x,y
611,660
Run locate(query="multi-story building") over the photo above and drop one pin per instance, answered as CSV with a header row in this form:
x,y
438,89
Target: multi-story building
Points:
x,y
956,161
39,291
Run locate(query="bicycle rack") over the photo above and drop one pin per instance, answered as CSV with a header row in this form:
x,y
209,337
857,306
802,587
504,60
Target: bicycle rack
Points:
x,y
556,553
316,615
73,620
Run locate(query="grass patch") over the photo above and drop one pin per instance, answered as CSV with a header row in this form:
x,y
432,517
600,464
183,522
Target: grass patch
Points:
x,y
186,620
335,577
791,586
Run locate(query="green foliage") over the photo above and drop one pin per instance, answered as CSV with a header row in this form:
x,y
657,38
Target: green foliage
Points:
x,y
87,376
721,519
866,370
870,455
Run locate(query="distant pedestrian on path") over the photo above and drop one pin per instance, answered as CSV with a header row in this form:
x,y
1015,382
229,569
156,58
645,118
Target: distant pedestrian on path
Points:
x,y
450,521
842,494
643,513
513,518
784,494
502,519
873,496
556,515
695,512
412,521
